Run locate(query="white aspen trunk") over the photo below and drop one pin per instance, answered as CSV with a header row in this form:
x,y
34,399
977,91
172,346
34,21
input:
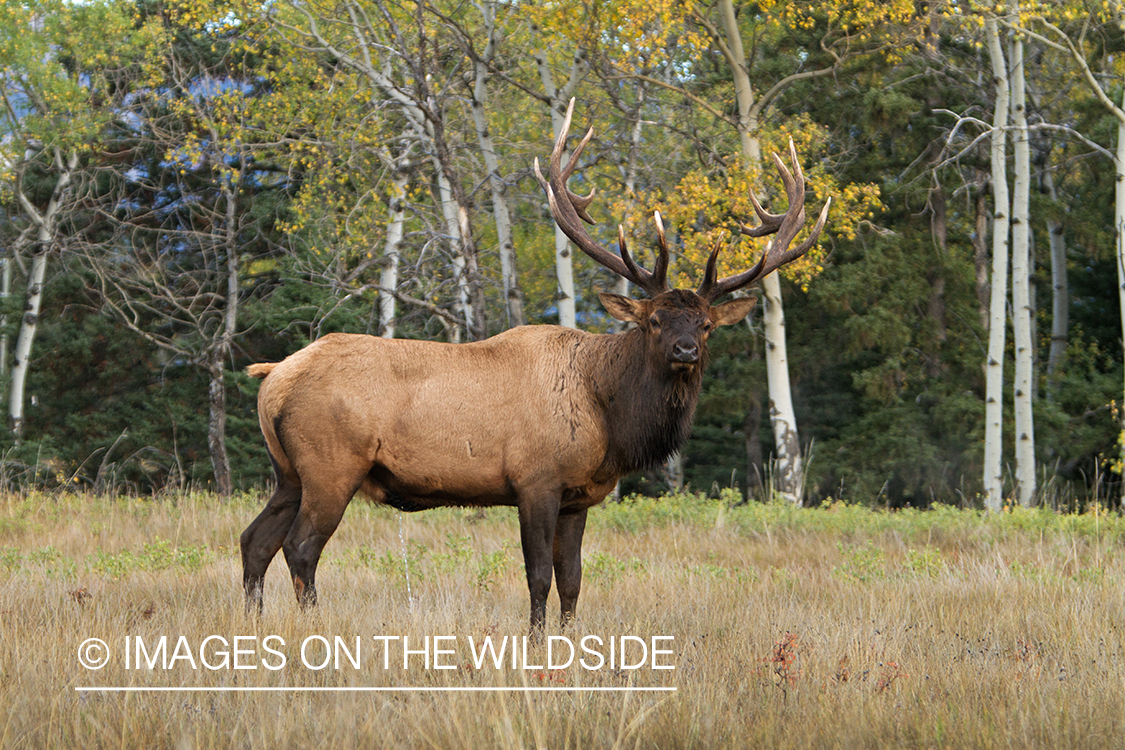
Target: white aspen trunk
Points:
x,y
478,327
783,419
29,324
743,90
470,299
994,367
230,240
216,366
1022,264
388,276
453,228
5,294
1033,305
789,463
1060,288
513,299
981,253
1119,224
631,183
558,99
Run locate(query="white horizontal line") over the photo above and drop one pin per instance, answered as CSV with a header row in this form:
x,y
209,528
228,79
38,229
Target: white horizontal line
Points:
x,y
237,689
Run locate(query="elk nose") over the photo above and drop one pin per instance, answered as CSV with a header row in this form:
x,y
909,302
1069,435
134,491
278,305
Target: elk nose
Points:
x,y
686,354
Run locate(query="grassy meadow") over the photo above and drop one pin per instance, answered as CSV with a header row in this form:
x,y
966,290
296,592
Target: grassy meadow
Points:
x,y
790,628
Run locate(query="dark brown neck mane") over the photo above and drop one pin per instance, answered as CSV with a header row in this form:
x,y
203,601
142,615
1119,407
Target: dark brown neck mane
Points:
x,y
648,406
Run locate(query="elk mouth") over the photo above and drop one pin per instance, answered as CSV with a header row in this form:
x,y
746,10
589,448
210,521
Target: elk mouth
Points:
x,y
684,354
683,366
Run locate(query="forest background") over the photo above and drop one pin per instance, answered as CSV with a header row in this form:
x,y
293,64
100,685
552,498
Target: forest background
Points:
x,y
189,186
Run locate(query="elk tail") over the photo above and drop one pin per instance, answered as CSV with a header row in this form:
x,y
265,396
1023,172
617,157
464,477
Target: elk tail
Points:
x,y
261,369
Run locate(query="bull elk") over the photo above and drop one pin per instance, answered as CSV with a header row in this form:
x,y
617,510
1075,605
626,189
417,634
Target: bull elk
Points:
x,y
543,418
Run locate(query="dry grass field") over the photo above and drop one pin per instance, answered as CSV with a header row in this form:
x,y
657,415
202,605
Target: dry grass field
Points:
x,y
830,627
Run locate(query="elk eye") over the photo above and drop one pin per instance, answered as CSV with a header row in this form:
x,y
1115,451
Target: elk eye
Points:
x,y
654,322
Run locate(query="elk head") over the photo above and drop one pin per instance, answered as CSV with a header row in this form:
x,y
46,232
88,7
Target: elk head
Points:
x,y
678,322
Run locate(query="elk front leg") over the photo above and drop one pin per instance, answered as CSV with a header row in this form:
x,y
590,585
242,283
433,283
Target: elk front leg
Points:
x,y
538,518
568,561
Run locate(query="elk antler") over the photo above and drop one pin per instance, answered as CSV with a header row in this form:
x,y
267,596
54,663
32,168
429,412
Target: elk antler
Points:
x,y
785,225
568,208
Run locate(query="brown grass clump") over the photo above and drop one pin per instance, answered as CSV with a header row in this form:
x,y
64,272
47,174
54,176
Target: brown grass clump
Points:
x,y
833,627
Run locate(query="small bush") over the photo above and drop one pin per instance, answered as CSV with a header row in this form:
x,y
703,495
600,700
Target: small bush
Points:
x,y
152,556
861,563
925,562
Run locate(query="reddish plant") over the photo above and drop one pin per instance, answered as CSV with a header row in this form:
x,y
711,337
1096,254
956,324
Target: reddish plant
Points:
x,y
555,675
784,659
890,671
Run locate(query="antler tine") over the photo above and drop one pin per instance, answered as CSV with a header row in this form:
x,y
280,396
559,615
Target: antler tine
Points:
x,y
579,202
785,226
770,223
710,276
789,255
634,269
567,208
794,191
660,270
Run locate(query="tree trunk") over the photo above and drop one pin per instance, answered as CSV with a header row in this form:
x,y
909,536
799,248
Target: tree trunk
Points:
x,y
1022,266
1060,288
454,207
29,324
388,276
460,271
513,298
220,353
217,424
5,294
750,428
994,368
743,90
980,253
1119,224
789,465
557,101
631,184
46,222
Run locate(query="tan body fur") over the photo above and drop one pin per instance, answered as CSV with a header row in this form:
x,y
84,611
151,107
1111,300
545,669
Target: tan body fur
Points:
x,y
423,424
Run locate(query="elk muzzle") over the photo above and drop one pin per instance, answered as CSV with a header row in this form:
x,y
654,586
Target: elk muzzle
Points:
x,y
684,355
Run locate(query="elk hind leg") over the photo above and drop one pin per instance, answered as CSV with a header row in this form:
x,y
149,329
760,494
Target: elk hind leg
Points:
x,y
322,507
263,537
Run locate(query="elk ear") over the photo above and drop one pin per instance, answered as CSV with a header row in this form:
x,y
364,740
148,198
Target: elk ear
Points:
x,y
732,312
623,308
